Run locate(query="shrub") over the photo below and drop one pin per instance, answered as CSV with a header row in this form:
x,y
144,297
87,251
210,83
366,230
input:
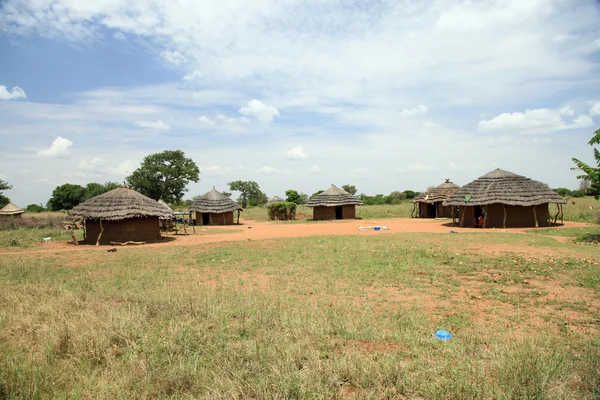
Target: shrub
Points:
x,y
282,211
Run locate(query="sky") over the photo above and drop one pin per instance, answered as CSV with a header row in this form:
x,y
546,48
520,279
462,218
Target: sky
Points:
x,y
383,95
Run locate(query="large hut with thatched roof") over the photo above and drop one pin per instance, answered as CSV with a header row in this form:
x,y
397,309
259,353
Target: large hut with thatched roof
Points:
x,y
121,215
334,203
429,204
214,208
502,199
10,214
274,199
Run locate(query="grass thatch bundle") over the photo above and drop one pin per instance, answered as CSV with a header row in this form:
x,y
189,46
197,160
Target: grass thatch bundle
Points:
x,y
214,202
118,204
503,187
439,193
332,197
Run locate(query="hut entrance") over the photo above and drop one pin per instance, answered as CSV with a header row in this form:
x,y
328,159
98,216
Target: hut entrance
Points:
x,y
205,218
478,213
339,213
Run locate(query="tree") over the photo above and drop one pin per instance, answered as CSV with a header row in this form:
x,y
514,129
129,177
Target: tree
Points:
x,y
164,175
315,194
226,194
3,199
250,193
35,208
94,189
395,198
66,196
410,194
350,189
292,196
591,174
564,192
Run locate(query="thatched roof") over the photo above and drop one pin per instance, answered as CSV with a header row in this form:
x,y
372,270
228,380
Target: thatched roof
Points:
x,y
274,199
118,204
11,209
214,202
504,187
438,193
334,196
165,205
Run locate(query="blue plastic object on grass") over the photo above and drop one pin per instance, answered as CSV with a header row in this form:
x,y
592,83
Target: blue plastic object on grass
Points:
x,y
442,334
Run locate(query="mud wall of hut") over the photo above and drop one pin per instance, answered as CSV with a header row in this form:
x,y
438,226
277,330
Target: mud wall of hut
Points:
x,y
134,229
444,211
216,219
328,213
516,216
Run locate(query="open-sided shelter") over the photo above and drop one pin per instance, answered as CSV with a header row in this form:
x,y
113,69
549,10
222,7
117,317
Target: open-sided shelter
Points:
x,y
504,200
121,215
214,208
274,199
430,204
334,203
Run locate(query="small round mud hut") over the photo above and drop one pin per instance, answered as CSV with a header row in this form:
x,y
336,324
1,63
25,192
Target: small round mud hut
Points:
x,y
334,203
430,204
121,215
214,208
274,199
502,199
10,215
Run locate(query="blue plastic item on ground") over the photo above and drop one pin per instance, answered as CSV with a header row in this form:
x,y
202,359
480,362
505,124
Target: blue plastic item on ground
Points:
x,y
442,334
376,228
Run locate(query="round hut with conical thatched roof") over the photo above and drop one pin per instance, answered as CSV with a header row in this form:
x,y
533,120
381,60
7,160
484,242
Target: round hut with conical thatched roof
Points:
x,y
334,203
430,204
11,210
214,208
502,199
274,199
121,215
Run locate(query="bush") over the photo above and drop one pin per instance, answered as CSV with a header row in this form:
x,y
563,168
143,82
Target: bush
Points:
x,y
282,211
578,193
35,208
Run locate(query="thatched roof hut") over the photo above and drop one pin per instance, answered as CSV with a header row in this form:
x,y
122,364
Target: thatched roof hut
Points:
x,y
121,215
11,209
429,204
165,205
334,203
504,199
274,199
215,209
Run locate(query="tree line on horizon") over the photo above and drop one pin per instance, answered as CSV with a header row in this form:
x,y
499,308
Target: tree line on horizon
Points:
x,y
165,176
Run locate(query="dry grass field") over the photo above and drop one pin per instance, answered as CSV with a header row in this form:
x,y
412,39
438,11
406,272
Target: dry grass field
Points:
x,y
344,317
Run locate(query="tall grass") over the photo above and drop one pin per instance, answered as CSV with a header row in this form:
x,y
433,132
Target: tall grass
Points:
x,y
325,317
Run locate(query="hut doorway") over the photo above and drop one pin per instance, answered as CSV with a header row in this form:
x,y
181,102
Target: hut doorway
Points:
x,y
339,212
205,218
478,213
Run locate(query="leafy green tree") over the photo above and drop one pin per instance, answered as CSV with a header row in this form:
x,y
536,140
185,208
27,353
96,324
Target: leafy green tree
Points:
x,y
292,196
35,208
250,193
315,194
94,189
411,194
3,199
349,188
564,192
591,175
66,196
395,198
164,175
226,194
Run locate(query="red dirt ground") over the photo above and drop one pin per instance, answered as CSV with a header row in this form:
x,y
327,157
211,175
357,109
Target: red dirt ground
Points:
x,y
257,230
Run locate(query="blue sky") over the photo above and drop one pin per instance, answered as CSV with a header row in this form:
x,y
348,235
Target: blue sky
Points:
x,y
385,95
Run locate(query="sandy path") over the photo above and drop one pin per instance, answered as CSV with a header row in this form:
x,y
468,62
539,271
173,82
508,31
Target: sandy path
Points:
x,y
257,230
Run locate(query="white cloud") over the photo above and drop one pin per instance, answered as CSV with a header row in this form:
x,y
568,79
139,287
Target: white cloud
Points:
x,y
15,93
417,167
260,111
153,125
411,112
58,149
314,169
538,121
91,165
173,57
205,120
124,168
595,110
192,76
119,36
214,170
297,153
266,170
225,119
